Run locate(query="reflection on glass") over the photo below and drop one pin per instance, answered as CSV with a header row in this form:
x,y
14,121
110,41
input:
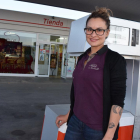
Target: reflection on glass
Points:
x,y
17,52
57,39
66,40
44,37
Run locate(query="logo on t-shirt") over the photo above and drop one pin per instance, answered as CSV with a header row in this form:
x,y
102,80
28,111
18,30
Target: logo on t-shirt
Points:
x,y
93,66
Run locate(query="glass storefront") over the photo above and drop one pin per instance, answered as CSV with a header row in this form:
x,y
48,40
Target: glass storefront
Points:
x,y
17,52
30,53
57,44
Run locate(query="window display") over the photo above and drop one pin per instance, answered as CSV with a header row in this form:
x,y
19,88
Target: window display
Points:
x,y
17,52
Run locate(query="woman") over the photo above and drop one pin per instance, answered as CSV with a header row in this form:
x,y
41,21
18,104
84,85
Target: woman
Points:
x,y
98,88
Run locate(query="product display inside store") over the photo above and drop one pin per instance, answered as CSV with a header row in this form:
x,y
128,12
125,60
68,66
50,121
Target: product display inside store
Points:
x,y
17,52
56,58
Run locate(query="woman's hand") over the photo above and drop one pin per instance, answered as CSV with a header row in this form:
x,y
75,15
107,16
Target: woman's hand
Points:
x,y
61,119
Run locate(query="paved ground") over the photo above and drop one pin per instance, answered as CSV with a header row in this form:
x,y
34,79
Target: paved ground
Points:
x,y
22,104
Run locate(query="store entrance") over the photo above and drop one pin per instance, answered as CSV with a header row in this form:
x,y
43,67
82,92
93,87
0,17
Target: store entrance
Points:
x,y
51,60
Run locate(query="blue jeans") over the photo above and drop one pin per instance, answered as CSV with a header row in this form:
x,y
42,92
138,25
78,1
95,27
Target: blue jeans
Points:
x,y
77,130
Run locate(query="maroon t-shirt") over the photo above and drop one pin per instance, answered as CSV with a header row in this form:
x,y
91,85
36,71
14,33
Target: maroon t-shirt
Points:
x,y
88,90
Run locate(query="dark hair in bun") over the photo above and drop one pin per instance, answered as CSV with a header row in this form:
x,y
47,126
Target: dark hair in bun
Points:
x,y
102,13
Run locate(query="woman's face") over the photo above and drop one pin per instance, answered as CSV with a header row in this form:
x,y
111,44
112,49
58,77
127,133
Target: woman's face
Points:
x,y
97,40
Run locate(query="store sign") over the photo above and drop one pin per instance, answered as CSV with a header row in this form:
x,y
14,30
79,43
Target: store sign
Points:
x,y
53,23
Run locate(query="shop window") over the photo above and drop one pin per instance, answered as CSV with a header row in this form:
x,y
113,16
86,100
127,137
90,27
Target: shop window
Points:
x,y
17,52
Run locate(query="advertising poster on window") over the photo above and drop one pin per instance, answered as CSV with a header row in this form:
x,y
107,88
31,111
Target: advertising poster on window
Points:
x,y
119,35
41,57
42,51
70,67
47,51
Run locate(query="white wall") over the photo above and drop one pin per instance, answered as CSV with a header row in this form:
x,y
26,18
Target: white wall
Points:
x,y
33,23
77,38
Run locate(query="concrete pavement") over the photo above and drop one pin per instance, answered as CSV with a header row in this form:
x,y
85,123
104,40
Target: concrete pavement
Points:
x,y
22,104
